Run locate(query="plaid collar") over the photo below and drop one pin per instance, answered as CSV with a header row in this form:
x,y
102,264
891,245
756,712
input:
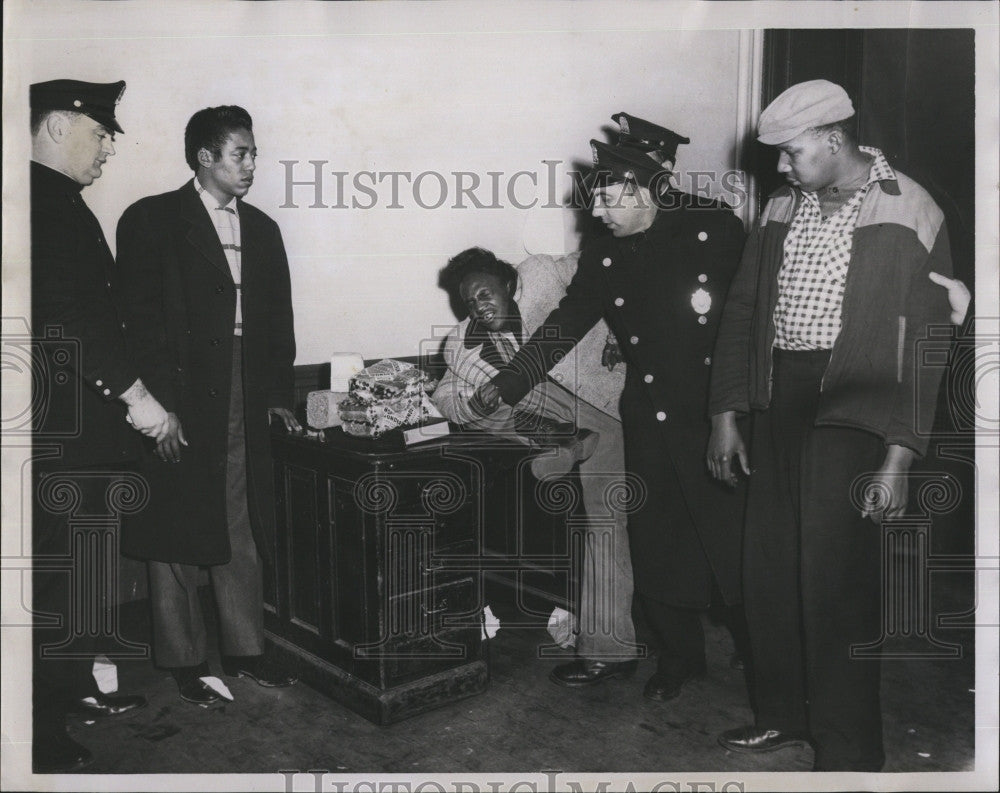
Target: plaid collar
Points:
x,y
880,171
210,201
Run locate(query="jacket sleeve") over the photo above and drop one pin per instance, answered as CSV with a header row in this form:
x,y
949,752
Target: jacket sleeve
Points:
x,y
452,394
729,387
140,279
80,311
927,308
281,343
577,312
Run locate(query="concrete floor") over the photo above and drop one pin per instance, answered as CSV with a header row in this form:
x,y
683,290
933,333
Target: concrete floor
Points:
x,y
522,723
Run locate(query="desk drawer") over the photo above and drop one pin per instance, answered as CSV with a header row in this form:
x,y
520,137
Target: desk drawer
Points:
x,y
434,607
413,562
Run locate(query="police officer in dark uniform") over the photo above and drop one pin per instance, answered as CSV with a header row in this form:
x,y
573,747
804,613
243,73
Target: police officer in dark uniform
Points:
x,y
87,392
659,280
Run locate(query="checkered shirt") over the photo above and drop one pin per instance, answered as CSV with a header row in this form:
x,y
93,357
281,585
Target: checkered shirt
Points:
x,y
812,275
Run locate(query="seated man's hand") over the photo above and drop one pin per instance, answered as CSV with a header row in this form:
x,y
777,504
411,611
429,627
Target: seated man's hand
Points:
x,y
485,401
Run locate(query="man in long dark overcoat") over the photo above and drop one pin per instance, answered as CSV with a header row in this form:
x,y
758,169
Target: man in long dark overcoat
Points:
x,y
208,316
659,280
82,445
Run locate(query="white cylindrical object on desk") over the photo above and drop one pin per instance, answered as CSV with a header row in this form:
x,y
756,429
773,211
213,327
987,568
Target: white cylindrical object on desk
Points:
x,y
343,366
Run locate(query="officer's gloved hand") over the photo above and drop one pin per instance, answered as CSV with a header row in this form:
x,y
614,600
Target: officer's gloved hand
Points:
x,y
145,412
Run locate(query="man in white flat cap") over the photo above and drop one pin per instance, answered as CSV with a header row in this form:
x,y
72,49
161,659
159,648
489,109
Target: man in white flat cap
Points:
x,y
818,340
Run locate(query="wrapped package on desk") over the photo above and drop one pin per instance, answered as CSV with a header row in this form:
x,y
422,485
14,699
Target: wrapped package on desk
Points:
x,y
385,396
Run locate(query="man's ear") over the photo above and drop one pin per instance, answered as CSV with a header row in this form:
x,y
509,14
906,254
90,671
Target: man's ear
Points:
x,y
57,126
205,158
835,141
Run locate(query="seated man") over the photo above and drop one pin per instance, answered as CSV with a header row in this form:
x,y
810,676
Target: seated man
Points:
x,y
506,305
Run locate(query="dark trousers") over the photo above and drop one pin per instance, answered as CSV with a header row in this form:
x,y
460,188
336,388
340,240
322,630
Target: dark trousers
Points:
x,y
811,574
680,635
68,611
179,634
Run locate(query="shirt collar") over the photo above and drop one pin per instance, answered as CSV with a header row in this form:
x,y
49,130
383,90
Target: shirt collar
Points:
x,y
210,201
880,170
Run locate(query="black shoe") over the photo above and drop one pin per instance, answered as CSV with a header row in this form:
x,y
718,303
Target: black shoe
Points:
x,y
583,672
736,661
667,682
57,753
258,668
755,740
192,688
197,692
101,705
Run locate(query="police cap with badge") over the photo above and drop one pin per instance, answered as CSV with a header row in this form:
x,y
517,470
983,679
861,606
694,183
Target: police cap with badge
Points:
x,y
625,165
95,100
658,142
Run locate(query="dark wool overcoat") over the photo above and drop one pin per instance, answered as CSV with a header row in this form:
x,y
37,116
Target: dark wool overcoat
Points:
x,y
661,292
178,303
81,364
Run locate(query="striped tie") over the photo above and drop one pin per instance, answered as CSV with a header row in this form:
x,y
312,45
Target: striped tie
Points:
x,y
504,347
229,233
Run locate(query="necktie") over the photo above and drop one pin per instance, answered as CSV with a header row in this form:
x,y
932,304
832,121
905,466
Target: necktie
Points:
x,y
229,235
504,347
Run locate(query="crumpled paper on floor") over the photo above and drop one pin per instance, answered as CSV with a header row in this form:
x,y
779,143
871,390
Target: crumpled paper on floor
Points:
x,y
491,624
217,686
106,674
562,628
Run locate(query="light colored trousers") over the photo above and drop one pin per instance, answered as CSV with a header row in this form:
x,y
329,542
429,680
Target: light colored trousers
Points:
x,y
605,624
179,633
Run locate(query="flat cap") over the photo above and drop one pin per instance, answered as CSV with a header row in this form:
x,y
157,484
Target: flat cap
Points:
x,y
96,100
804,105
647,136
616,164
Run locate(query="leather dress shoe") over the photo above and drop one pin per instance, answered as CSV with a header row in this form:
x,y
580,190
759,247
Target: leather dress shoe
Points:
x,y
259,669
197,692
101,705
57,753
755,740
667,682
192,688
584,672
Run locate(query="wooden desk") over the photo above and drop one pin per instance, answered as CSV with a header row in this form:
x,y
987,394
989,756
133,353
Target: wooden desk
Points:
x,y
381,557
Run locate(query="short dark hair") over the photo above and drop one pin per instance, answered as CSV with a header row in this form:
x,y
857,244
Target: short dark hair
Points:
x,y
210,128
475,260
38,117
846,127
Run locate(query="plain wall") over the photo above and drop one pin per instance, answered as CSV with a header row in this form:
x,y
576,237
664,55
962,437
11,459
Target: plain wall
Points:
x,y
321,87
